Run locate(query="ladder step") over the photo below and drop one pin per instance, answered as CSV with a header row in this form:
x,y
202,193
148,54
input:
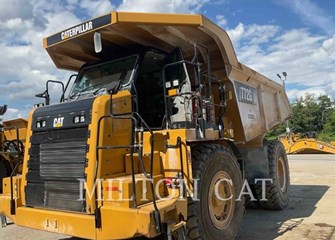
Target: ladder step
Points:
x,y
157,163
118,147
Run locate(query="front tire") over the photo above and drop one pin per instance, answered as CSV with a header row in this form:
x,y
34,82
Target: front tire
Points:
x,y
212,218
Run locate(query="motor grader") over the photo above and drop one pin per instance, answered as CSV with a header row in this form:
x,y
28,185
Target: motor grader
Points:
x,y
307,143
12,140
160,132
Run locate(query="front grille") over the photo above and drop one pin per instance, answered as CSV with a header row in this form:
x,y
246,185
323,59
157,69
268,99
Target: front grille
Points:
x,y
57,161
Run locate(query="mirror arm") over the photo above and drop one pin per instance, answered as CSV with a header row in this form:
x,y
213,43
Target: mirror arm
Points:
x,y
113,87
44,95
47,99
57,82
67,85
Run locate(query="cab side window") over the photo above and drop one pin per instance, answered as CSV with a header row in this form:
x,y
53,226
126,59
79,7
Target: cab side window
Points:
x,y
149,87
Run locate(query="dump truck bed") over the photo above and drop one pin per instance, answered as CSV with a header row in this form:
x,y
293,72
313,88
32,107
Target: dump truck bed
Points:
x,y
257,103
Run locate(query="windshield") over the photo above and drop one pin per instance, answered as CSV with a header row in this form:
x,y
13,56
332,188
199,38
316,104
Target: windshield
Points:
x,y
95,78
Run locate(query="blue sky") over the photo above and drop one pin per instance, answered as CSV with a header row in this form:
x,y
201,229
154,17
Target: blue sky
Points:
x,y
281,12
271,36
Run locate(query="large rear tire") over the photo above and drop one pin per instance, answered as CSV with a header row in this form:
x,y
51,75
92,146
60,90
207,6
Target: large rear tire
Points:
x,y
216,168
277,193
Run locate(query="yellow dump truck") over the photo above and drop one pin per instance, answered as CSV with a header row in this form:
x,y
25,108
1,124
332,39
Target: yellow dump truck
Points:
x,y
159,134
12,140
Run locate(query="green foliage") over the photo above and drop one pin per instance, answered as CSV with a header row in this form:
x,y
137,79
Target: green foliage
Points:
x,y
328,132
276,132
310,114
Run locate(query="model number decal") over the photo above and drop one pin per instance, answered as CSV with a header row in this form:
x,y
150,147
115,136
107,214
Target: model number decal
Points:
x,y
245,93
58,122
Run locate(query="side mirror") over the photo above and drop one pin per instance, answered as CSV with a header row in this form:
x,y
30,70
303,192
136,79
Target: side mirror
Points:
x,y
3,109
45,95
113,87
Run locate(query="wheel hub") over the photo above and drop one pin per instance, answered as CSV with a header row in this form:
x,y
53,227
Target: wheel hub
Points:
x,y
221,201
281,174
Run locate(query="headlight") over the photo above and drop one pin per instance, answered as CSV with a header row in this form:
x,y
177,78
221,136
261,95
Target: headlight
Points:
x,y
76,119
79,119
41,124
168,84
82,118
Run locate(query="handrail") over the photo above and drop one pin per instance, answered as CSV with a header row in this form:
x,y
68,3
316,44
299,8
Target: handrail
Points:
x,y
180,146
196,47
135,118
17,138
19,154
66,86
12,201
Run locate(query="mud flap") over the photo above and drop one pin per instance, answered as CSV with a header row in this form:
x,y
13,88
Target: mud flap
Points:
x,y
3,221
158,223
181,234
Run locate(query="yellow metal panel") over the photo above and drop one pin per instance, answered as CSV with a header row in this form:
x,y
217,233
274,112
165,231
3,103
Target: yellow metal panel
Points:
x,y
21,124
158,18
112,133
171,156
118,191
26,156
74,224
128,164
134,222
157,167
295,144
122,223
16,186
117,223
5,206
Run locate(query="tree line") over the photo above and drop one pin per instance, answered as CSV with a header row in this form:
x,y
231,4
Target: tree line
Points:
x,y
312,116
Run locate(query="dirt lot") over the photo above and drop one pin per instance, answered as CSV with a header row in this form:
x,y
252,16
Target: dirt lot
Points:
x,y
311,213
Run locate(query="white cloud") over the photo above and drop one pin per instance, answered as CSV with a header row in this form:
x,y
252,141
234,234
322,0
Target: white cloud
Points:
x,y
308,59
96,7
311,13
11,113
24,64
296,94
253,34
162,6
236,33
221,20
15,9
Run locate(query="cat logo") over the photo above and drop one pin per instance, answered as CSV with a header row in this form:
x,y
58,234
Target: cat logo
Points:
x,y
58,122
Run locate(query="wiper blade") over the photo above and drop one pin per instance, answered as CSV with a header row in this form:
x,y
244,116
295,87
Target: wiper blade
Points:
x,y
77,94
98,90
